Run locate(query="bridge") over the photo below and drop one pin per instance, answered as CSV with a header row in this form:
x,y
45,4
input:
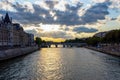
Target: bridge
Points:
x,y
50,44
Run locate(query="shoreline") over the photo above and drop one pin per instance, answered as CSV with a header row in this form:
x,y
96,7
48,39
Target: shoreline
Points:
x,y
116,54
12,53
16,52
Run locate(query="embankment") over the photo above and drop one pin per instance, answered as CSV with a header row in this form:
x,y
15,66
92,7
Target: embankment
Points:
x,y
11,53
113,53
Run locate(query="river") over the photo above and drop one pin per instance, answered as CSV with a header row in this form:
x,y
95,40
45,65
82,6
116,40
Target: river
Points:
x,y
62,64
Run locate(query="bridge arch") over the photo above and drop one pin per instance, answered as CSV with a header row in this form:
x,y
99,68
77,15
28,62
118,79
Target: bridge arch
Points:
x,y
63,45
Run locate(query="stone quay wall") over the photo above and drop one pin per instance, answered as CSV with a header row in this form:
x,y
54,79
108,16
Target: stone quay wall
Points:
x,y
106,51
11,53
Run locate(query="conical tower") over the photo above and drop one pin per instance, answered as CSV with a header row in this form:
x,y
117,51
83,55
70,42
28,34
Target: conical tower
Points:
x,y
7,19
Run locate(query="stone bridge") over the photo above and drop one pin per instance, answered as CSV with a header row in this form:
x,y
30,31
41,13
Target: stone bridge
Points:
x,y
48,45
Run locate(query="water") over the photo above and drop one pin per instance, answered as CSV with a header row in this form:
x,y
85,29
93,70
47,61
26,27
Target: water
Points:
x,y
62,64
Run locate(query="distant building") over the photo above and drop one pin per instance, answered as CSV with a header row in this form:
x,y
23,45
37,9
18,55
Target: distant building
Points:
x,y
12,34
100,34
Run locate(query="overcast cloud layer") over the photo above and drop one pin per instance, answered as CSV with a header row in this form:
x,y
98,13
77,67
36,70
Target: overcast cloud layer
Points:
x,y
73,17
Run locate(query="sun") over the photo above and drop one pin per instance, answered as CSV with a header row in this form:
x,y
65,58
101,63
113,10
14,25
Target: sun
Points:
x,y
48,27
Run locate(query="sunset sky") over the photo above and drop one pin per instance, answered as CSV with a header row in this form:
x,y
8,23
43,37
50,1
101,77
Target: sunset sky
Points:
x,y
63,19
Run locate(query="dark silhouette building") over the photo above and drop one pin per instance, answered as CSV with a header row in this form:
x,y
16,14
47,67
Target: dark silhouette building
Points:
x,y
12,34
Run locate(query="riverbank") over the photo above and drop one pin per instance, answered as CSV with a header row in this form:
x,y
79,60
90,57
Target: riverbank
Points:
x,y
11,53
106,51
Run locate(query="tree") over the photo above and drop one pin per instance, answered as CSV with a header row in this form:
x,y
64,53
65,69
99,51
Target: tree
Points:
x,y
112,37
76,40
38,41
93,41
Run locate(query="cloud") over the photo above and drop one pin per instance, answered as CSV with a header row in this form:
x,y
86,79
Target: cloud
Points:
x,y
6,5
28,7
99,1
68,14
84,29
115,4
118,18
51,4
28,13
62,32
36,14
53,34
95,13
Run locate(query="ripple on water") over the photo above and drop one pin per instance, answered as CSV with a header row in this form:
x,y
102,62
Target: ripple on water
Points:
x,y
62,64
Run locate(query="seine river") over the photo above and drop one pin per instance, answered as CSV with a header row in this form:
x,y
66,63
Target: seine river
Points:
x,y
62,64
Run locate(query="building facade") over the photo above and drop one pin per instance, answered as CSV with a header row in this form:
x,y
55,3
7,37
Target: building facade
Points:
x,y
12,34
101,34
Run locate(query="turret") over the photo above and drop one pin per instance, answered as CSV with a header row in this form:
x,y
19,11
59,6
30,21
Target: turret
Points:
x,y
7,19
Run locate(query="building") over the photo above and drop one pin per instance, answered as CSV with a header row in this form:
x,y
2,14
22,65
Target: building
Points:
x,y
100,34
13,35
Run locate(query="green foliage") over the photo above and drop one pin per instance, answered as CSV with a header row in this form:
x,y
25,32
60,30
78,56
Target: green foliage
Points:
x,y
112,37
38,40
93,41
76,40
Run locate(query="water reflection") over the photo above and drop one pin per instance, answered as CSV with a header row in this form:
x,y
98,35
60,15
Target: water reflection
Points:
x,y
50,63
62,64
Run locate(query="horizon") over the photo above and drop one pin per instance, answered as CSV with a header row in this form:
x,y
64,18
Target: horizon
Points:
x,y
60,20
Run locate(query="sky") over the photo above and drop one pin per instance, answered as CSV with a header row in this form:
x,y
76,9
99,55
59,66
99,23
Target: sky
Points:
x,y
58,20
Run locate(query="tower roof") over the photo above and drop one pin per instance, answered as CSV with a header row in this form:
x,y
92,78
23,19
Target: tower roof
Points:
x,y
7,19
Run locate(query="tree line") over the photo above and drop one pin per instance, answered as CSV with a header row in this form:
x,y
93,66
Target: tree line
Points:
x,y
110,37
39,41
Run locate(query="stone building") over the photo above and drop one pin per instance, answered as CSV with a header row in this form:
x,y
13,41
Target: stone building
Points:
x,y
101,34
12,34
